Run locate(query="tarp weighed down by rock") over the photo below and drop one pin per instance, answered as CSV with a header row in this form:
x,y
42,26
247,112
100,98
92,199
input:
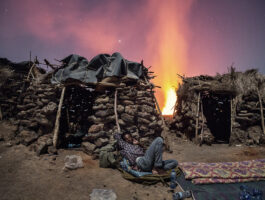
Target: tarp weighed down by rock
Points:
x,y
101,66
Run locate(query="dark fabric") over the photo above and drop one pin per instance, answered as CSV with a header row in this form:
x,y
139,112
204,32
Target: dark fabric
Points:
x,y
149,179
153,157
229,191
129,151
101,66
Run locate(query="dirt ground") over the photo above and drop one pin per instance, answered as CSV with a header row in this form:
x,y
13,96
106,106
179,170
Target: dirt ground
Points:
x,y
23,175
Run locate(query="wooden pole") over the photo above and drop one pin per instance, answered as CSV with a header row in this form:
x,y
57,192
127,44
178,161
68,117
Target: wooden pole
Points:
x,y
30,71
57,121
115,111
261,112
232,115
202,123
197,116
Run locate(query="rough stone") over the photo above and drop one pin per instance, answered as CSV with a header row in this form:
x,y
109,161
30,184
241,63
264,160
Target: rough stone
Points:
x,y
104,113
88,147
144,140
143,121
94,119
25,122
102,100
127,118
131,109
143,94
121,122
39,103
44,101
254,133
95,128
146,108
51,108
99,107
42,148
153,124
143,128
144,115
91,137
101,142
110,119
28,137
128,102
123,97
44,122
52,150
120,109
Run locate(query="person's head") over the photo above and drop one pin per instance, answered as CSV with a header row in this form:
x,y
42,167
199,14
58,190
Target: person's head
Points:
x,y
128,138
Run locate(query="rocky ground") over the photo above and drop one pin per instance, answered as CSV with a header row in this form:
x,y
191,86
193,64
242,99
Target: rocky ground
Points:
x,y
23,175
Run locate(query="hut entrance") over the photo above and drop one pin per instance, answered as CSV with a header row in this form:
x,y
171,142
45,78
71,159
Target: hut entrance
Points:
x,y
217,111
76,108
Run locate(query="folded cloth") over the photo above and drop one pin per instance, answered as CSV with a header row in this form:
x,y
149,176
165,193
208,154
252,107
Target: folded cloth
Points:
x,y
224,172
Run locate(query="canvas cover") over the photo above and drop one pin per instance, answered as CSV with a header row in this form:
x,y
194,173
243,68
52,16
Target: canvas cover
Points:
x,y
101,66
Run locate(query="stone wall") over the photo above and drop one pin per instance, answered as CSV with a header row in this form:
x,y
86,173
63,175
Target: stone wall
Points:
x,y
137,115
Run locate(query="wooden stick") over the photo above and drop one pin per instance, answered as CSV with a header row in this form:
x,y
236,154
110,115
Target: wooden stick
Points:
x,y
30,71
115,111
57,121
261,112
197,116
202,123
232,115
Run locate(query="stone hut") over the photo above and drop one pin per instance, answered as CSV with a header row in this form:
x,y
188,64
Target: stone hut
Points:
x,y
225,108
74,105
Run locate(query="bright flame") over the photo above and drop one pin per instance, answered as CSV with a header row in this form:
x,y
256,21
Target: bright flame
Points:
x,y
171,99
168,47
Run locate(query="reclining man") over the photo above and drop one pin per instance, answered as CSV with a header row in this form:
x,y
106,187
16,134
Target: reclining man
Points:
x,y
149,161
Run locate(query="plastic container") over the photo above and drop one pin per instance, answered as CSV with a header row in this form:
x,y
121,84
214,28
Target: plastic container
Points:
x,y
181,195
173,179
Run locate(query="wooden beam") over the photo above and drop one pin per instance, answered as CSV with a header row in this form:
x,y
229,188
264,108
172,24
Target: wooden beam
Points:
x,y
30,71
197,116
115,111
201,135
57,121
261,111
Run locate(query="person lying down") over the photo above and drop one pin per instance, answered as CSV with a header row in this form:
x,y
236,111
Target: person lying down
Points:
x,y
140,160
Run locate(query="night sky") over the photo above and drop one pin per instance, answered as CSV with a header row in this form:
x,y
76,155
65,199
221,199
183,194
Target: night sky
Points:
x,y
189,37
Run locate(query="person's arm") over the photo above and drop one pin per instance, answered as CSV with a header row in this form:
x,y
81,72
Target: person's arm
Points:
x,y
135,142
120,141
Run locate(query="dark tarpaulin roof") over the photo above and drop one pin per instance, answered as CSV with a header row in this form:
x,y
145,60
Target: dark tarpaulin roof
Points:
x,y
101,66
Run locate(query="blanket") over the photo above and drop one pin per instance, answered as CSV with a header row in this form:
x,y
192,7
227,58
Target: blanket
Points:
x,y
146,178
224,172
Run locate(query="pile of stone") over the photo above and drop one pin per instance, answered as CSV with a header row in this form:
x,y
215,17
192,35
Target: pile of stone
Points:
x,y
247,122
137,114
36,116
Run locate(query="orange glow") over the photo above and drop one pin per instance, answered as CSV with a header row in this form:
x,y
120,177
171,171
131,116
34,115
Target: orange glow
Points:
x,y
154,30
168,45
171,99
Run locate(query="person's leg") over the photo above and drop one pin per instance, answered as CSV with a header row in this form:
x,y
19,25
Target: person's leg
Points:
x,y
153,156
169,164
